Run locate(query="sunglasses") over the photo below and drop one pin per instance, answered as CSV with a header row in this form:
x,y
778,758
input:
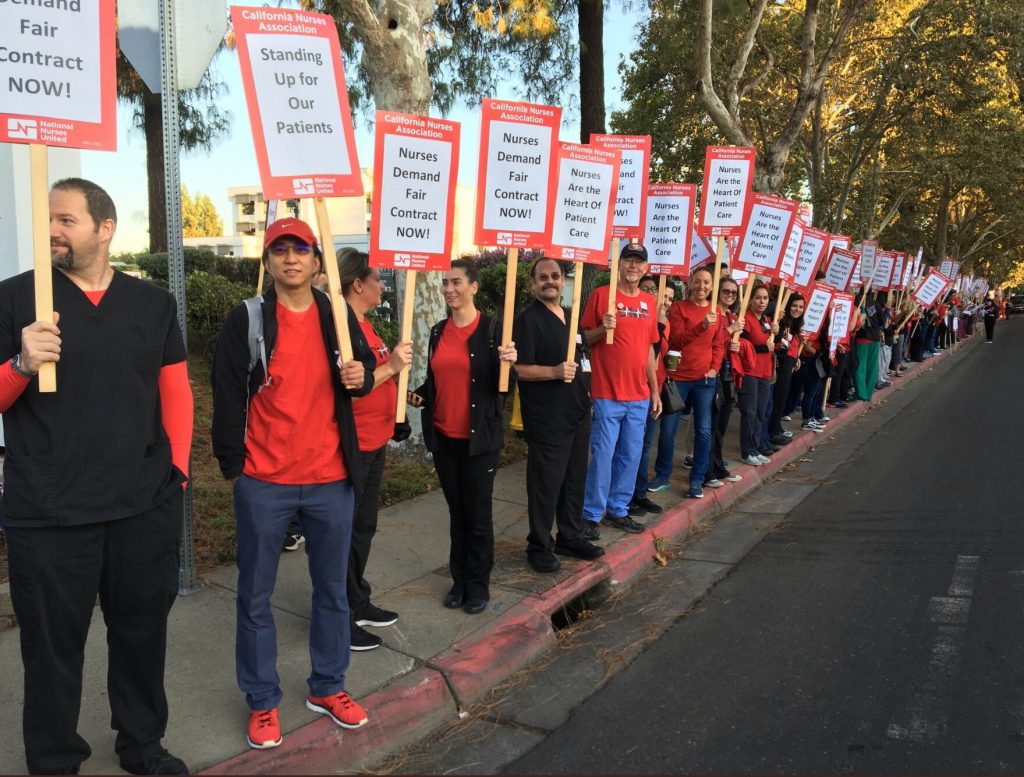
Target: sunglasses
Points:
x,y
728,292
281,249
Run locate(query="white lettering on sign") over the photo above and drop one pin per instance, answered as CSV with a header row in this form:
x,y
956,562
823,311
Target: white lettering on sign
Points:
x,y
298,101
515,195
50,62
581,204
883,271
414,194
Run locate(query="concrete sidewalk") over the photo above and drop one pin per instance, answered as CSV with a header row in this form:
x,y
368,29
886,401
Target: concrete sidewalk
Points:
x,y
435,662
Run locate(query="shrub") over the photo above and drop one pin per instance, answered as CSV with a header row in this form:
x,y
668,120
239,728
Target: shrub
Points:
x,y
208,298
196,260
239,270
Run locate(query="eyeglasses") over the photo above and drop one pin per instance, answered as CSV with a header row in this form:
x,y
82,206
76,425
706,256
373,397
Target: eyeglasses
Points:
x,y
728,292
281,249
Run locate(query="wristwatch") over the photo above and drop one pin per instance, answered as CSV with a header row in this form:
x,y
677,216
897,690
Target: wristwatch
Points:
x,y
16,366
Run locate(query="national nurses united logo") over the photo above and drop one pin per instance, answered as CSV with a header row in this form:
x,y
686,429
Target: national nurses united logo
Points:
x,y
623,310
383,351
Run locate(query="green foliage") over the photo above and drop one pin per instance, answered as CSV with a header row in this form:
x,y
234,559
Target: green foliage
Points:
x,y
196,260
208,298
491,296
239,269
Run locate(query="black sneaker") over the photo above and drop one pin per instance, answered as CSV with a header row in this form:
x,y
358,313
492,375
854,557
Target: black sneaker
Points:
x,y
543,561
375,616
161,762
361,640
635,509
591,530
293,541
648,506
625,523
688,462
578,548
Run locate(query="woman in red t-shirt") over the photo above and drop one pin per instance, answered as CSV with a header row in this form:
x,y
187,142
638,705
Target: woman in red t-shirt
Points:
x,y
787,352
753,359
362,288
463,427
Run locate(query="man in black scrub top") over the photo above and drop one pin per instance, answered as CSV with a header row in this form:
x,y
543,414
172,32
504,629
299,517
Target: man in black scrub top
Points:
x,y
93,472
556,422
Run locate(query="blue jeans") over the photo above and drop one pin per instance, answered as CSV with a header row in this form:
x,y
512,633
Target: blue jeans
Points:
x,y
616,438
262,513
701,394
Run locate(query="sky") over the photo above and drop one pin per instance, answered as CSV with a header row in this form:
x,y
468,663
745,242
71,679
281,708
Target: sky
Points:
x,y
232,162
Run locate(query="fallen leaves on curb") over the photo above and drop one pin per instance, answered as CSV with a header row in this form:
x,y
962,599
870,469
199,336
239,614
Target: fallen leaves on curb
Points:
x,y
661,553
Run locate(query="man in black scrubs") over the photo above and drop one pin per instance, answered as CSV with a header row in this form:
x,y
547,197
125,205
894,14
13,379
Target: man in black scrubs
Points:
x,y
556,422
92,505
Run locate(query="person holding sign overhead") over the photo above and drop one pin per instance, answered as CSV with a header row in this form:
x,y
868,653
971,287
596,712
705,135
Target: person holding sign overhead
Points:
x,y
556,423
362,287
624,386
284,433
463,427
94,476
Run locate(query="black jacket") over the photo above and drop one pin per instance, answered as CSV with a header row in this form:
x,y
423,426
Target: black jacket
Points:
x,y
486,421
233,388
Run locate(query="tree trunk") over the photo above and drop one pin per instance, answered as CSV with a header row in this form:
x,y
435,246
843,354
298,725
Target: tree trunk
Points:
x,y
942,222
153,121
592,108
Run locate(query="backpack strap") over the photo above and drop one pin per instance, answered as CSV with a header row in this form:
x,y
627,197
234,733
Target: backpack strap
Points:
x,y
257,345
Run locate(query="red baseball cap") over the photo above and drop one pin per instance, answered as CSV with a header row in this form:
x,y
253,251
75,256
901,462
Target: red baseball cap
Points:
x,y
293,227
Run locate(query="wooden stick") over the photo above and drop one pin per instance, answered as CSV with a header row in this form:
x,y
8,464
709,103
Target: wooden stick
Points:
x,y
909,315
405,333
662,285
824,399
574,315
339,308
745,293
42,263
259,280
609,338
716,273
506,322
780,304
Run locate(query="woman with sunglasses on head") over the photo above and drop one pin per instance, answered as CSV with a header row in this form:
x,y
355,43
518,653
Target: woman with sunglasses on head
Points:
x,y
753,359
787,351
463,427
725,397
362,287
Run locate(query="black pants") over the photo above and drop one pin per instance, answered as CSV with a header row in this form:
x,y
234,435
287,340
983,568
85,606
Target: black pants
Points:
x,y
555,477
780,392
721,411
364,527
56,574
468,482
990,327
752,398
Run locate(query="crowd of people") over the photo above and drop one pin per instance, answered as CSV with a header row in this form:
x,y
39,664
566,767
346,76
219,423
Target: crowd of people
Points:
x,y
302,435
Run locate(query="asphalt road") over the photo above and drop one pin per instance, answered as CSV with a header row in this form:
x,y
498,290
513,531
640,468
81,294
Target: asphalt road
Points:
x,y
879,629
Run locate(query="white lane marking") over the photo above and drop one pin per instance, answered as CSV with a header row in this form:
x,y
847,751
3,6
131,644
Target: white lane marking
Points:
x,y
925,716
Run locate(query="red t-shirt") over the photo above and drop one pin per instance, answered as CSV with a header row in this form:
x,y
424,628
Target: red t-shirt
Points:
x,y
292,436
701,348
756,365
619,370
450,365
375,413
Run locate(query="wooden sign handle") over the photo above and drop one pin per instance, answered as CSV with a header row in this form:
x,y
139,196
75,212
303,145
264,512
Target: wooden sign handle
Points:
x,y
509,311
41,261
405,333
745,293
780,304
574,315
339,308
716,272
662,285
613,283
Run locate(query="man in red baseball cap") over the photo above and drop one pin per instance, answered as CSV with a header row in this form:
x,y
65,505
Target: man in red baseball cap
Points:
x,y
284,434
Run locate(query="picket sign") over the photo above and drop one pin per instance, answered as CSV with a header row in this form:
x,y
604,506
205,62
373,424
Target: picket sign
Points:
x,y
517,141
817,308
728,177
630,200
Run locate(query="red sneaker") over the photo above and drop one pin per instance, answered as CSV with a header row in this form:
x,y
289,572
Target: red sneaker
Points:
x,y
264,729
340,708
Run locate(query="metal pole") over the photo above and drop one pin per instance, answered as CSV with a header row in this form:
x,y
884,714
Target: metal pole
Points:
x,y
187,579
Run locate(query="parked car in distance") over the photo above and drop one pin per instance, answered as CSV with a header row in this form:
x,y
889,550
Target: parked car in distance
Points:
x,y
1015,304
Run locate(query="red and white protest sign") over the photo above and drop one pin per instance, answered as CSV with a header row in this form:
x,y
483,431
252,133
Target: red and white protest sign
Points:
x,y
634,174
701,252
816,309
897,271
583,193
868,253
670,209
931,289
946,268
838,241
728,176
415,169
841,264
787,268
768,222
59,84
842,312
809,258
295,92
517,159
881,279
804,214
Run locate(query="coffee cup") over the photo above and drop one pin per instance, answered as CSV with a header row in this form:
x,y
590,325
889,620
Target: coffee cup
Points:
x,y
672,360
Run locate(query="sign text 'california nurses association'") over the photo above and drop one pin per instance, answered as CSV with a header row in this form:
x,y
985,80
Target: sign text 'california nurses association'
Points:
x,y
295,91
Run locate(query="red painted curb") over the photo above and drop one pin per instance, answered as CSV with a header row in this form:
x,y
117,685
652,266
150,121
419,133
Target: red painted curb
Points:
x,y
474,666
589,575
399,713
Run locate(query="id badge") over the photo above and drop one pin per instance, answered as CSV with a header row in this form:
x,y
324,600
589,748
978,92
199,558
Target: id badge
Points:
x,y
585,364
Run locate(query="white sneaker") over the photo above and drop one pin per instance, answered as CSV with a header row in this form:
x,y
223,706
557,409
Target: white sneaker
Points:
x,y
823,420
787,418
764,459
733,478
810,426
787,435
713,483
753,460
